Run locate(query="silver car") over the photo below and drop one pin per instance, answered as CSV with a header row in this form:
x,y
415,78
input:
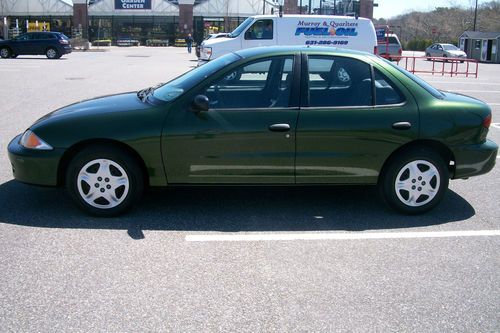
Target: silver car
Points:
x,y
444,50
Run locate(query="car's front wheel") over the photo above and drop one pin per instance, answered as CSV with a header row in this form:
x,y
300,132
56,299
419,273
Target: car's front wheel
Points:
x,y
104,181
415,181
52,53
428,55
5,52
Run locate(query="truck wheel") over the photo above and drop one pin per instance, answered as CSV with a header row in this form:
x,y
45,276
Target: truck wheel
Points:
x,y
415,181
104,181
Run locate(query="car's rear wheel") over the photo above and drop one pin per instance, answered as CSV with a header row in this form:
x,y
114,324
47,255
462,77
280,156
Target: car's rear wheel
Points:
x,y
104,181
5,52
428,55
415,181
52,53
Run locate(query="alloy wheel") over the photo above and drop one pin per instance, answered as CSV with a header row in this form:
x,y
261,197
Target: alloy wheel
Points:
x,y
103,183
417,183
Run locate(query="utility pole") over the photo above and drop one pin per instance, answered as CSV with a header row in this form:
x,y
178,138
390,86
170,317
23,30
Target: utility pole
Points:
x,y
334,7
320,7
300,10
310,5
475,17
263,7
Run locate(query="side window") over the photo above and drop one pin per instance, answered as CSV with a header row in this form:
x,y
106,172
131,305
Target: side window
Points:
x,y
260,84
23,37
339,81
385,91
261,29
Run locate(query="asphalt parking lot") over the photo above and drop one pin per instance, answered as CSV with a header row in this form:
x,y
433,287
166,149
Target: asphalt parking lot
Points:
x,y
236,259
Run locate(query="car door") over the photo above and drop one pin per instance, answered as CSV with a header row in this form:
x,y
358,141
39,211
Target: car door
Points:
x,y
349,125
248,133
38,42
21,44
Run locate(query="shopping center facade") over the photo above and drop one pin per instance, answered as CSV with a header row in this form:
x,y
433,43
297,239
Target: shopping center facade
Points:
x,y
143,20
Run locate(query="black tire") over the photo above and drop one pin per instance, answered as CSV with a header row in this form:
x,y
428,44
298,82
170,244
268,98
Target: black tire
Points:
x,y
398,168
102,186
428,55
52,53
5,52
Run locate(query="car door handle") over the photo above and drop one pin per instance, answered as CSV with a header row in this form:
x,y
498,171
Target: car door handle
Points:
x,y
279,127
402,125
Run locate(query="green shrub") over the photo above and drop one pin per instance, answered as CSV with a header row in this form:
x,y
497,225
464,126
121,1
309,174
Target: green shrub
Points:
x,y
102,42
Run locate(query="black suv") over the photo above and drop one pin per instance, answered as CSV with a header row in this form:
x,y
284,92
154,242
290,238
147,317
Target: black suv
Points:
x,y
52,44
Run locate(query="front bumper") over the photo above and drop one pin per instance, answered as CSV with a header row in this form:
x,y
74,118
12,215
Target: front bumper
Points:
x,y
66,49
38,167
474,160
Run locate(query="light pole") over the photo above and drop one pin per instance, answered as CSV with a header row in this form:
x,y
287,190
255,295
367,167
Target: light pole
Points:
x,y
475,17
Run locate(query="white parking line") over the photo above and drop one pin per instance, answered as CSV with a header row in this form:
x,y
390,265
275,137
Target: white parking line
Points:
x,y
469,82
475,91
258,237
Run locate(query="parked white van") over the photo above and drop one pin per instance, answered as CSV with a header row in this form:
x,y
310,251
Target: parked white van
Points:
x,y
314,30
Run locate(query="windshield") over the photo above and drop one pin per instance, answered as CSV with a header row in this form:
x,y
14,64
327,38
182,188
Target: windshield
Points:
x,y
450,47
236,32
179,85
433,91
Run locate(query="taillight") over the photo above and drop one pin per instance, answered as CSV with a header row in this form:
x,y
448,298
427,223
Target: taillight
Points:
x,y
375,50
487,121
400,51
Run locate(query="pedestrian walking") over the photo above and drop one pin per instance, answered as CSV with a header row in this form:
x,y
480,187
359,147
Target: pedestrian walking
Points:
x,y
189,42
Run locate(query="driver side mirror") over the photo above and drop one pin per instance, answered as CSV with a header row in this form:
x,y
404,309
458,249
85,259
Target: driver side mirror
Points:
x,y
200,103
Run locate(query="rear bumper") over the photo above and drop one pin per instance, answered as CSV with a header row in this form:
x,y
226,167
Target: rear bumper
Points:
x,y
38,167
474,160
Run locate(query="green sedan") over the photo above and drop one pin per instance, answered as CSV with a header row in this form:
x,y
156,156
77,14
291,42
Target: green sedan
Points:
x,y
274,115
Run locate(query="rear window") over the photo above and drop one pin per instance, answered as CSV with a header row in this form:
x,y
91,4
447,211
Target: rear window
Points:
x,y
430,89
393,40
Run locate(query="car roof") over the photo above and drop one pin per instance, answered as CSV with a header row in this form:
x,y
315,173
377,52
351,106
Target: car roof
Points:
x,y
278,50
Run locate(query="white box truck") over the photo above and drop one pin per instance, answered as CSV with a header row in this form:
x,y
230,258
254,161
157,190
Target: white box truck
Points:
x,y
313,30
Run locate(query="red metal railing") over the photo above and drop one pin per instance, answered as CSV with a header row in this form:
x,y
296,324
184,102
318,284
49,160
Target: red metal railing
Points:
x,y
449,66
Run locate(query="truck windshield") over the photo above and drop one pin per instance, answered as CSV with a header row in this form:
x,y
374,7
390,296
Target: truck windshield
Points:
x,y
242,27
178,86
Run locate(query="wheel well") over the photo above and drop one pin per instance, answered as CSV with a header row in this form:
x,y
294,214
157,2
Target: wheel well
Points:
x,y
436,146
6,47
76,148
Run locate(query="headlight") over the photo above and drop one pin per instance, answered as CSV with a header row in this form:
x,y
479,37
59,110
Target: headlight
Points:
x,y
207,51
31,141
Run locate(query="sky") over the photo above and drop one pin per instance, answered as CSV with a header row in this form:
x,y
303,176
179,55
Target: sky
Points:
x,y
391,8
